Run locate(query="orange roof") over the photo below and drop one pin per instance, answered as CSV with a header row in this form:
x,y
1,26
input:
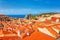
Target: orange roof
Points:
x,y
38,36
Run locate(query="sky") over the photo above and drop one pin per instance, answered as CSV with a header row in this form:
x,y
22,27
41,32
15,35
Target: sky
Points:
x,y
21,7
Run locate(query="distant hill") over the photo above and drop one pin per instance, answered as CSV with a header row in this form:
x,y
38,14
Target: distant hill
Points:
x,y
34,16
5,18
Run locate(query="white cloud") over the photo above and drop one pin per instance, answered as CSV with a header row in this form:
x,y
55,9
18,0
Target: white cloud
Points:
x,y
18,11
26,11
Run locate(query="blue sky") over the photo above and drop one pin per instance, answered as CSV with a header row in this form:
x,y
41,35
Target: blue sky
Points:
x,y
19,7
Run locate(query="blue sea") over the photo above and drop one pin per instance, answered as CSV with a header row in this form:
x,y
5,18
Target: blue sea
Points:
x,y
16,16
